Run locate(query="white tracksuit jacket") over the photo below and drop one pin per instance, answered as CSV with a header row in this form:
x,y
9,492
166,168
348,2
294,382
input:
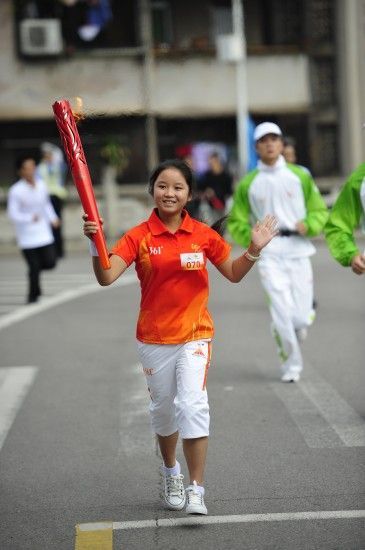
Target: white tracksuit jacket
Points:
x,y
288,192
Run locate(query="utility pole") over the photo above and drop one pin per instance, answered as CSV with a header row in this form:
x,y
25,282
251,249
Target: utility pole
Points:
x,y
148,81
241,87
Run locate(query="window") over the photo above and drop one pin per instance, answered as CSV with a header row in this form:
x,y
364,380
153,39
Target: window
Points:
x,y
161,24
64,27
274,23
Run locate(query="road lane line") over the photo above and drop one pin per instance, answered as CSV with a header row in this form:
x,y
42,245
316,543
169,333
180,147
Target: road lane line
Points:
x,y
99,538
214,520
347,423
14,385
309,420
323,417
66,296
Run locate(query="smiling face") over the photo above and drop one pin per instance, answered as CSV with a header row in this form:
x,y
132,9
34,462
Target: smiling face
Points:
x,y
269,148
171,192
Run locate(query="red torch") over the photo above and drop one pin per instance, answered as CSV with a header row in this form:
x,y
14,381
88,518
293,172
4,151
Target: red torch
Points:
x,y
80,172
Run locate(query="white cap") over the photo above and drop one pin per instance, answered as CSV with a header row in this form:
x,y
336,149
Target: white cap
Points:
x,y
266,128
47,147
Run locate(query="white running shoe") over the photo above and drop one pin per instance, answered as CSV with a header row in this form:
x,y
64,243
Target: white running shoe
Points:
x,y
173,492
290,376
195,501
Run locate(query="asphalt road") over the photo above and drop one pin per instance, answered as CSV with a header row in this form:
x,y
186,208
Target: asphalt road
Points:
x,y
77,458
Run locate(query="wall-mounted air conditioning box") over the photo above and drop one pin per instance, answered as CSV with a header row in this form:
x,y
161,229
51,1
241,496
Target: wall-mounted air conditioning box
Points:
x,y
40,37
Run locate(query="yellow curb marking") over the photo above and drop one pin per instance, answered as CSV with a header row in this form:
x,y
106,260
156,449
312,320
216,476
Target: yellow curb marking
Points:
x,y
96,536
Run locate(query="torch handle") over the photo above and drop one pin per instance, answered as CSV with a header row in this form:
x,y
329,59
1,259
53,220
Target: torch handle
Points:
x,y
81,176
80,172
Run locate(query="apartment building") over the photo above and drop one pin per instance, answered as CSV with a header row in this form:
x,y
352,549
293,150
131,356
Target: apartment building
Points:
x,y
151,81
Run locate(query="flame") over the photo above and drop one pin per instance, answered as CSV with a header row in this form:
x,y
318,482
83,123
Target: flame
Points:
x,y
77,111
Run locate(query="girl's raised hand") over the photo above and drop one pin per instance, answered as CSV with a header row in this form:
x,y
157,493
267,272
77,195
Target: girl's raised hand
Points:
x,y
264,231
90,228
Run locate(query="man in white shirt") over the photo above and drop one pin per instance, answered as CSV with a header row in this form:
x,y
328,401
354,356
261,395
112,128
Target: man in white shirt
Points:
x,y
289,193
33,215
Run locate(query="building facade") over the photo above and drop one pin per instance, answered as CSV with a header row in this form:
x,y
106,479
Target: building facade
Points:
x,y
150,79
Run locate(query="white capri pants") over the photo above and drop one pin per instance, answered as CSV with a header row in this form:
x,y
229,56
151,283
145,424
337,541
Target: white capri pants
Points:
x,y
288,283
176,377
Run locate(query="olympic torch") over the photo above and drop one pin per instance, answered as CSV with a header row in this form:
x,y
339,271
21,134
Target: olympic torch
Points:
x,y
80,172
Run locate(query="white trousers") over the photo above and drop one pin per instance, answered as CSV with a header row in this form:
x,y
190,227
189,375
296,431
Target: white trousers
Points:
x,y
176,377
288,283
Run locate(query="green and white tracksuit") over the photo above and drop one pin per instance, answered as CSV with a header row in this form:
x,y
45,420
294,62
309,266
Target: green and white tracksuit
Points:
x,y
288,192
346,215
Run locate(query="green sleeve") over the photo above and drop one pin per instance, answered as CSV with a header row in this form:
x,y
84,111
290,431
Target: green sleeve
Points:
x,y
317,212
344,219
238,223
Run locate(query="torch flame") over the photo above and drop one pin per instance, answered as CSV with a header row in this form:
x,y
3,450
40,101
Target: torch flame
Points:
x,y
77,111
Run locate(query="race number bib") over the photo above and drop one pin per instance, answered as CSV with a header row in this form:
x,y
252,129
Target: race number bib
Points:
x,y
192,261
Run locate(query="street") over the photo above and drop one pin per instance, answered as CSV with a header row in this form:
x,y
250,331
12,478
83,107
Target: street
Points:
x,y
78,462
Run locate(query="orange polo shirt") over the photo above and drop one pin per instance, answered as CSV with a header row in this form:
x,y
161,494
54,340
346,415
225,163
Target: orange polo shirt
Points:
x,y
172,270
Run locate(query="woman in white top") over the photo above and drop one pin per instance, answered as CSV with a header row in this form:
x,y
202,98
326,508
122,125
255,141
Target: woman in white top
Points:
x,y
33,215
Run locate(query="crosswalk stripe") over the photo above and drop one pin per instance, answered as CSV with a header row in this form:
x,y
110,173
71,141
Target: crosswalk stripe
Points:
x,y
14,386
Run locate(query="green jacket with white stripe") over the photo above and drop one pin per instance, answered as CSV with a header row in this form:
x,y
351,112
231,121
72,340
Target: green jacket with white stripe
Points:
x,y
345,217
289,193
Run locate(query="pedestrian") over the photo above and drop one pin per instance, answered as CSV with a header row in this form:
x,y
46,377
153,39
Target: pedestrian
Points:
x,y
52,170
174,329
290,194
215,186
33,215
344,218
290,152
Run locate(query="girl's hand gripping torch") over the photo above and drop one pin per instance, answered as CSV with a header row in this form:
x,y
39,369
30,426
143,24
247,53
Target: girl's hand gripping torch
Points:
x,y
80,173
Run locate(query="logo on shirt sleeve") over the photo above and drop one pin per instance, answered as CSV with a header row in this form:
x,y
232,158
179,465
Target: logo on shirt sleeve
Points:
x,y
192,261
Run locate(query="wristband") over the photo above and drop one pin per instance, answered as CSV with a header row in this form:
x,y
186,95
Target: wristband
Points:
x,y
92,248
250,257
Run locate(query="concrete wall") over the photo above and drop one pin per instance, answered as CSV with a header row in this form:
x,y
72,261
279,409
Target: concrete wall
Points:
x,y
114,85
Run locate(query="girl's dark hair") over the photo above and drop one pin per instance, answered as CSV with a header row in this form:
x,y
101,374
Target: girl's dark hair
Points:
x,y
178,164
220,225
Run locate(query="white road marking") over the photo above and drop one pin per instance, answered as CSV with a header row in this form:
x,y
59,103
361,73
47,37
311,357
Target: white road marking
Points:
x,y
213,520
310,422
32,309
323,417
347,423
14,385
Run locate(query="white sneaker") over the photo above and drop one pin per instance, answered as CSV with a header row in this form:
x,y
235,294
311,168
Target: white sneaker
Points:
x,y
301,333
290,376
173,492
195,501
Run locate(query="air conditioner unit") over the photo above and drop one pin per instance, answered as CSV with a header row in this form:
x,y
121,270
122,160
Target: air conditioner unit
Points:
x,y
40,37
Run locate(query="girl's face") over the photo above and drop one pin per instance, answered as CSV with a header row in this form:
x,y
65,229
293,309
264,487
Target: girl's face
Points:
x,y
171,192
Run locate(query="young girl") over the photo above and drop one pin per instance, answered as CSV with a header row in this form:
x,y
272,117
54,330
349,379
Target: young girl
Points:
x,y
174,329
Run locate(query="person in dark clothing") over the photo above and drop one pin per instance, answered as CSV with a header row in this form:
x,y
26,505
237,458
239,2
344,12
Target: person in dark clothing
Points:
x,y
215,185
